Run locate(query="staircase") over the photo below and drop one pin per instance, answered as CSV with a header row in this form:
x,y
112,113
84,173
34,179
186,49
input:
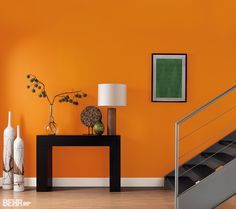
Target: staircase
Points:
x,y
209,178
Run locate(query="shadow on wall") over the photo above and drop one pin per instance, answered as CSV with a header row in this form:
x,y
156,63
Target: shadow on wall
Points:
x,y
9,38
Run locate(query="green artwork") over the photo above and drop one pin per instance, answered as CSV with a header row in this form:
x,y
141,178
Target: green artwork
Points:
x,y
169,78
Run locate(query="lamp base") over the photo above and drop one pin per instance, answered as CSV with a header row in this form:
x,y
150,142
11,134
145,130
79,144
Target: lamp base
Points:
x,y
111,121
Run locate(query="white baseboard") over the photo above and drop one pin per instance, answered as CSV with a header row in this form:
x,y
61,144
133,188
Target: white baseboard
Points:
x,y
98,182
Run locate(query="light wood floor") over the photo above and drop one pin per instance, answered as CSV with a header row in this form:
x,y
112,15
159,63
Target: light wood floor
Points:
x,y
99,198
229,204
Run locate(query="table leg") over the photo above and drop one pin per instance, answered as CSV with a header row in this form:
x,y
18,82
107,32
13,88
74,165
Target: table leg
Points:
x,y
44,168
115,166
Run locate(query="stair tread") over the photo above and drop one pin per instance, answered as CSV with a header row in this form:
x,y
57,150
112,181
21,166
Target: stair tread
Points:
x,y
199,159
230,137
224,142
182,173
228,149
184,183
202,171
223,157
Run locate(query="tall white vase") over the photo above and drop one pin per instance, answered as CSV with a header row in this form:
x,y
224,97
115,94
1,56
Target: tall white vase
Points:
x,y
18,163
9,136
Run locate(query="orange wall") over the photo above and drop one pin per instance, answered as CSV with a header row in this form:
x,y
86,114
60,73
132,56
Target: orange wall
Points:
x,y
77,44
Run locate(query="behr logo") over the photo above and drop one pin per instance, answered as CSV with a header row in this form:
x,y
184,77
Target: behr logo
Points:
x,y
14,202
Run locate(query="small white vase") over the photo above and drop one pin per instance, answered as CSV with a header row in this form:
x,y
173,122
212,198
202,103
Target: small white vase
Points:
x,y
18,163
9,136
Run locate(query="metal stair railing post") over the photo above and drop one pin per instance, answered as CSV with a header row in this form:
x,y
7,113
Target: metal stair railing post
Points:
x,y
177,126
176,165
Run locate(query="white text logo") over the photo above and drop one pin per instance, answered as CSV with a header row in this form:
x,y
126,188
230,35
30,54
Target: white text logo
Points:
x,y
15,203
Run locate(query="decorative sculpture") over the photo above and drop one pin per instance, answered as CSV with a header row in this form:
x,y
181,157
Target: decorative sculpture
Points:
x,y
18,163
9,136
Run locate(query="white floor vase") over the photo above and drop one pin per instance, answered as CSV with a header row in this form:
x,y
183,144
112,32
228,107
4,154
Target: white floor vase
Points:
x,y
18,163
9,136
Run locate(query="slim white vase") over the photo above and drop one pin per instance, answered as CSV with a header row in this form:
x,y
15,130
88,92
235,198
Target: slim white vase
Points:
x,y
9,136
18,163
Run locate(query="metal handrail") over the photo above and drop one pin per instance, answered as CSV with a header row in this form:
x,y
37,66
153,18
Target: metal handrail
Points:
x,y
177,124
208,122
206,105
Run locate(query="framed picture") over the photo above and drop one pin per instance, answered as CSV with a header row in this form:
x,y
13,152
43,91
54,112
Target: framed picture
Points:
x,y
169,77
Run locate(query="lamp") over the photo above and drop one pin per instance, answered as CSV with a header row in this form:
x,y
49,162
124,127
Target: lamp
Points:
x,y
112,95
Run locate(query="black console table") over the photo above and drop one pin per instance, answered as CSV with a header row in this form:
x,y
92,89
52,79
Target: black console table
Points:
x,y
44,156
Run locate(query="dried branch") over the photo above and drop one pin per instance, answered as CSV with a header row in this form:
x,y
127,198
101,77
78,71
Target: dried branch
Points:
x,y
44,87
64,97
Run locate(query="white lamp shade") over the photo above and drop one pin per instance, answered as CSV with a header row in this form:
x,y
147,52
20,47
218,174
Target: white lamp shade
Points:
x,y
112,95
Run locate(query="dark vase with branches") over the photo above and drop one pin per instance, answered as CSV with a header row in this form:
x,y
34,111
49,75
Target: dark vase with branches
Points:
x,y
71,97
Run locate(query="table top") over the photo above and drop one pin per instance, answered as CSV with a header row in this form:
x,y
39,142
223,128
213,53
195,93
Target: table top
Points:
x,y
80,135
77,140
